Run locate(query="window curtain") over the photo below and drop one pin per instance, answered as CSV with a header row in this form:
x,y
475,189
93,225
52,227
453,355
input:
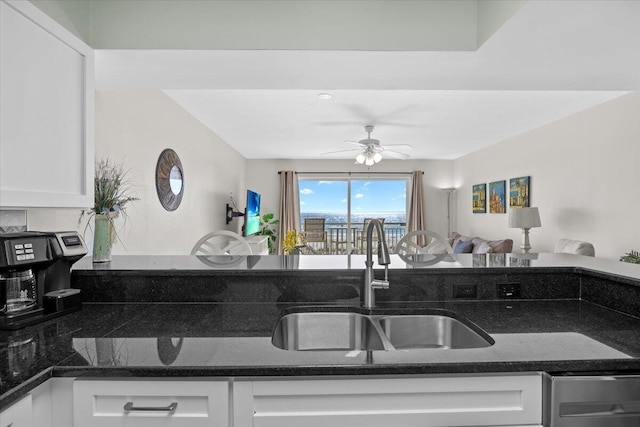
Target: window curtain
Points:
x,y
289,205
416,206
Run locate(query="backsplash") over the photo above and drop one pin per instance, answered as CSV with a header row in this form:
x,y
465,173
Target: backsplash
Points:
x,y
13,221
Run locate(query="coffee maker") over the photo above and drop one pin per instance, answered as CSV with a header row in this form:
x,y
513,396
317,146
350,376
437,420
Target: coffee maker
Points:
x,y
35,276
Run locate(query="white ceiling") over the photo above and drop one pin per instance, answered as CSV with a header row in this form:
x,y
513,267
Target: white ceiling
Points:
x,y
550,60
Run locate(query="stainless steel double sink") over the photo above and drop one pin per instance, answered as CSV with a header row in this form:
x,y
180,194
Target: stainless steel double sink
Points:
x,y
347,331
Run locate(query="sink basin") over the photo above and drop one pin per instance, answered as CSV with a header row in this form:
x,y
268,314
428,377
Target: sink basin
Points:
x,y
326,331
430,331
347,331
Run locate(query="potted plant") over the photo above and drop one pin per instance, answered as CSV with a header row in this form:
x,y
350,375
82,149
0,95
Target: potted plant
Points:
x,y
632,257
268,227
111,197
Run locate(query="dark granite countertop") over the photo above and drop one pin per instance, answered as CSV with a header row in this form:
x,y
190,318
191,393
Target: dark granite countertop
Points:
x,y
254,264
209,339
227,333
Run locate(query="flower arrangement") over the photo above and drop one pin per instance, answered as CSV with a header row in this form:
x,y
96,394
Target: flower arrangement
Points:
x,y
111,188
292,241
632,257
111,197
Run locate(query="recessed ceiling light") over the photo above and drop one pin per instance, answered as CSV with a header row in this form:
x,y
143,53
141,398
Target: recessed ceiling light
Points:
x,y
324,96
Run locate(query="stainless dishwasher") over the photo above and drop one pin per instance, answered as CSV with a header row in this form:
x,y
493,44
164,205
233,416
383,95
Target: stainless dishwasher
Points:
x,y
592,401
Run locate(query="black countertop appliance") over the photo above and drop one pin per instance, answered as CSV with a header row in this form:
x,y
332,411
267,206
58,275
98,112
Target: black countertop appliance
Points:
x,y
35,272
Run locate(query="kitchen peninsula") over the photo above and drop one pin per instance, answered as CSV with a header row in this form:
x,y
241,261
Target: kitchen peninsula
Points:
x,y
196,317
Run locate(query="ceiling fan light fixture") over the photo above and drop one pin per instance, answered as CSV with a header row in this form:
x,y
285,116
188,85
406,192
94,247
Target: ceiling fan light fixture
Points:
x,y
369,161
360,158
377,157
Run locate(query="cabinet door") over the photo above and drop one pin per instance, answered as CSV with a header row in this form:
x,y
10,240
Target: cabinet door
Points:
x,y
432,401
46,111
142,403
18,414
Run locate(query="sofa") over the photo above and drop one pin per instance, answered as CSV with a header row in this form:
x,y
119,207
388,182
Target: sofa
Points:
x,y
577,247
477,245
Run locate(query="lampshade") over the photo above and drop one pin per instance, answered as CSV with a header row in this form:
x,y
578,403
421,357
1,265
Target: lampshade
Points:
x,y
524,218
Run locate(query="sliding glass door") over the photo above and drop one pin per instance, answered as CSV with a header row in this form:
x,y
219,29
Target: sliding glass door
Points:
x,y
345,204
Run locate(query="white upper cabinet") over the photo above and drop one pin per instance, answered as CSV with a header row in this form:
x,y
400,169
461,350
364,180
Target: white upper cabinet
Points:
x,y
46,111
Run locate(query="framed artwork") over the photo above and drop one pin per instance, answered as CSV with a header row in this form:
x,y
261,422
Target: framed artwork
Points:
x,y
479,198
497,197
519,192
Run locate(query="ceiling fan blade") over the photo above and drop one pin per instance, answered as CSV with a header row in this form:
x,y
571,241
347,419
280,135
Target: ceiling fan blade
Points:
x,y
377,122
402,146
339,123
340,151
355,142
396,154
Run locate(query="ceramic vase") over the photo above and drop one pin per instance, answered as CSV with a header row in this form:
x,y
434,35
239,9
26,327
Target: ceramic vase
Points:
x,y
102,238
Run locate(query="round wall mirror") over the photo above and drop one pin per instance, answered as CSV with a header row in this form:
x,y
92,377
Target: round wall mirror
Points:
x,y
175,180
169,180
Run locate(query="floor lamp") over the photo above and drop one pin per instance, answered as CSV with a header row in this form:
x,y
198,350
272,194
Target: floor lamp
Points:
x,y
449,191
524,218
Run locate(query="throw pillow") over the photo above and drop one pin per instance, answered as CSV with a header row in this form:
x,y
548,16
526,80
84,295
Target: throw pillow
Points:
x,y
460,238
435,247
501,246
463,247
482,248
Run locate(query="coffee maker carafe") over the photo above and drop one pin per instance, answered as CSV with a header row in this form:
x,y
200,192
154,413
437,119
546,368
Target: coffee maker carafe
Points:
x,y
35,276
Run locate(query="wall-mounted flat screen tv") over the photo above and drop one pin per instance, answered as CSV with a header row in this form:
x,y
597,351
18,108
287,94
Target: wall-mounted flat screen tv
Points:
x,y
252,214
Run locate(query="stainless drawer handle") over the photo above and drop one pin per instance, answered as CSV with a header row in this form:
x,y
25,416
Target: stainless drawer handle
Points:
x,y
129,407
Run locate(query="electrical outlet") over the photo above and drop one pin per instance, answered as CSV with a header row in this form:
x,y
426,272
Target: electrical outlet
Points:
x,y
465,291
509,290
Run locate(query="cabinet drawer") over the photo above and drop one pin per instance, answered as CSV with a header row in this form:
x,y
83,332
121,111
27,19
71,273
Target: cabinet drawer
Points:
x,y
431,401
141,403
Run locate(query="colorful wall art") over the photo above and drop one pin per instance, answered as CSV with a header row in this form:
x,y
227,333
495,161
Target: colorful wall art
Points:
x,y
519,192
479,198
497,197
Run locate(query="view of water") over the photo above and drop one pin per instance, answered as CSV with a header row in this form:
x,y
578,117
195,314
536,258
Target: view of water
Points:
x,y
340,219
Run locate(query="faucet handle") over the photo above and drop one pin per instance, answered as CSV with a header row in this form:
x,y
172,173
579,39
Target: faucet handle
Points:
x,y
380,284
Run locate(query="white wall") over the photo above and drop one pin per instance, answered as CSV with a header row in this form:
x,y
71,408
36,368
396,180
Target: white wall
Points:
x,y
134,127
262,176
585,177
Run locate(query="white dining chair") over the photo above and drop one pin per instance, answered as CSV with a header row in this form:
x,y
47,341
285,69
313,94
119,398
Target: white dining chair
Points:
x,y
432,243
222,242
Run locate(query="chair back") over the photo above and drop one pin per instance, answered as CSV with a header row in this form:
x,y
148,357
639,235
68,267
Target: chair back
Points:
x,y
365,225
363,235
221,242
314,230
410,243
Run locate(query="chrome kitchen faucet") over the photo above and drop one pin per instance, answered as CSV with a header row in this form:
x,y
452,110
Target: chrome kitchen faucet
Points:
x,y
370,283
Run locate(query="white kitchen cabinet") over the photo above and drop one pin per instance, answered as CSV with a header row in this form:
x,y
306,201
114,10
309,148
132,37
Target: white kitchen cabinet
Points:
x,y
148,402
496,400
48,405
46,111
18,414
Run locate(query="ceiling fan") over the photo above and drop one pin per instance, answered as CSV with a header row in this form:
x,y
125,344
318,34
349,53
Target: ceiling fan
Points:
x,y
371,150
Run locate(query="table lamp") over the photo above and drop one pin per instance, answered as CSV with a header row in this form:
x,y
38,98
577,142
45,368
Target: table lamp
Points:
x,y
524,218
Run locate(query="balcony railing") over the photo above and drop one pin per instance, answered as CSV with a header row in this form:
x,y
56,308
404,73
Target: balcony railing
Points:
x,y
342,240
